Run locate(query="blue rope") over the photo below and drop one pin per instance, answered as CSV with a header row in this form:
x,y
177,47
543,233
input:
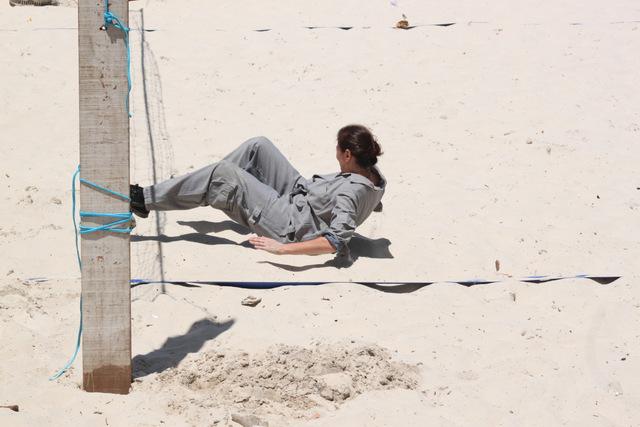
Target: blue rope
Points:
x,y
73,216
75,352
121,218
110,19
105,189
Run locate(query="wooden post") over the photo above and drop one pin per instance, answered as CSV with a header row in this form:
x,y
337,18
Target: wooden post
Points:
x,y
104,159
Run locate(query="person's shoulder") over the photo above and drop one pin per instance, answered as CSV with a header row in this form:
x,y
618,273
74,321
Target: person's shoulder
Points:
x,y
357,189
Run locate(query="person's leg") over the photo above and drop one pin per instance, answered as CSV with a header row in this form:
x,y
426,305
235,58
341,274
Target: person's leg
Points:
x,y
227,187
263,160
183,192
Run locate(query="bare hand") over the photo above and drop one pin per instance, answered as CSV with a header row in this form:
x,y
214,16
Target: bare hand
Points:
x,y
266,244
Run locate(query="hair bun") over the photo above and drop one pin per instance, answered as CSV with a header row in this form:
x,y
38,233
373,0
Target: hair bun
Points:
x,y
362,144
375,148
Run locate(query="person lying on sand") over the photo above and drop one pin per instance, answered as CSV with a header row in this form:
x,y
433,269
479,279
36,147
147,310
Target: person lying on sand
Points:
x,y
257,187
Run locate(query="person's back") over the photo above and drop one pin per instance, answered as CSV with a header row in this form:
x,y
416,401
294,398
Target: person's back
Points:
x,y
338,203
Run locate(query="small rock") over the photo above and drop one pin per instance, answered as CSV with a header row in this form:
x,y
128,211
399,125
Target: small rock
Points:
x,y
403,23
56,201
251,301
529,141
248,420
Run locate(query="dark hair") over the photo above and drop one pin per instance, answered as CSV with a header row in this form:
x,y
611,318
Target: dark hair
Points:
x,y
361,143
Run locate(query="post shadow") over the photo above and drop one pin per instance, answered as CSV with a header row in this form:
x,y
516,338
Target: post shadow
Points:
x,y
154,113
176,348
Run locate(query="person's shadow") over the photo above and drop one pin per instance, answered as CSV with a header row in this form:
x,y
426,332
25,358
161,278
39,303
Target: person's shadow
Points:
x,y
359,246
176,348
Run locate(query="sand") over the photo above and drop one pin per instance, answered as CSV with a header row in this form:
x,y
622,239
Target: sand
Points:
x,y
510,136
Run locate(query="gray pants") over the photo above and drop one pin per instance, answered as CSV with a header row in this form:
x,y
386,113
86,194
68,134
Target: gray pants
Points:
x,y
251,185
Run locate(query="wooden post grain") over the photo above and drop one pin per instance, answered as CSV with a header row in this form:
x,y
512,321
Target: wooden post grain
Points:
x,y
104,159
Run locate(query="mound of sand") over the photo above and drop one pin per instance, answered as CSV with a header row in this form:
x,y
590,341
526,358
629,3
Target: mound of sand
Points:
x,y
285,380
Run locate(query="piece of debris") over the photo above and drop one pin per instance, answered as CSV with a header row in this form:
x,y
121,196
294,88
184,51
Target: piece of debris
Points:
x,y
497,265
34,280
251,301
248,420
14,408
529,141
513,296
403,24
13,3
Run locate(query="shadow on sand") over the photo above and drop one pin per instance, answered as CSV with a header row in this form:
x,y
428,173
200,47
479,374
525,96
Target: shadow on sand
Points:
x,y
207,227
359,246
176,348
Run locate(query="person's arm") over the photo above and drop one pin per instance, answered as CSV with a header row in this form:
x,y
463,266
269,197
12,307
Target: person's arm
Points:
x,y
318,246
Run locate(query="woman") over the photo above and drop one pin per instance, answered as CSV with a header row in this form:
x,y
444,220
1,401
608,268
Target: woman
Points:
x,y
257,187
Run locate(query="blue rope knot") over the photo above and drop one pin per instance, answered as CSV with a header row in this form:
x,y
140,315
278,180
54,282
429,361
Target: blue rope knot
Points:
x,y
110,19
120,218
113,20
